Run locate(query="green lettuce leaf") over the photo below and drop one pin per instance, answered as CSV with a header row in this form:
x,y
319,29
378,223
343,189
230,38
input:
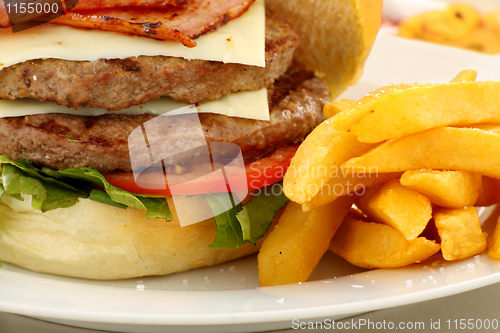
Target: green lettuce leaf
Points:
x,y
239,224
228,233
53,189
156,206
33,172
257,216
103,197
2,189
16,181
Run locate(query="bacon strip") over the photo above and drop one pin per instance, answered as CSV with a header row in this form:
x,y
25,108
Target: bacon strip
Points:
x,y
106,23
180,20
185,23
99,4
86,5
4,18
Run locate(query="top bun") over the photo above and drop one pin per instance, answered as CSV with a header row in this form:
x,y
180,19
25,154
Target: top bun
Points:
x,y
336,36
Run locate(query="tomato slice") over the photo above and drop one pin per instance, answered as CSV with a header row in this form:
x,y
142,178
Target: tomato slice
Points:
x,y
259,173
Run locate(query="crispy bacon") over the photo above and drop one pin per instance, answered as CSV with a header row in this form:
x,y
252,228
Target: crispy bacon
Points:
x,y
86,5
180,20
98,4
183,24
4,18
106,23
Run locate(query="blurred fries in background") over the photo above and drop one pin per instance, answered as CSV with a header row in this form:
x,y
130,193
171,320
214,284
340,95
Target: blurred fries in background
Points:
x,y
459,25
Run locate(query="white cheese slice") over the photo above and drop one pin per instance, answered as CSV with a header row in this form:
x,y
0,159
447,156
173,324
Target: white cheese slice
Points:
x,y
239,41
245,104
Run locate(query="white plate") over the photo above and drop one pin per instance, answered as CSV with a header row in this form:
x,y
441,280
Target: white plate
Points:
x,y
225,298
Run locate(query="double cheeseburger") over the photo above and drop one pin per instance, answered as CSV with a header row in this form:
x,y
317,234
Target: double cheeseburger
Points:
x,y
70,204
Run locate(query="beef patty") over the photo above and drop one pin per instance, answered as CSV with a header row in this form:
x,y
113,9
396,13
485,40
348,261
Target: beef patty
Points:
x,y
120,83
61,141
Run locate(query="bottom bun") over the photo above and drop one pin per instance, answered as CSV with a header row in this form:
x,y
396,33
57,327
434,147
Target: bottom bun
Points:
x,y
96,241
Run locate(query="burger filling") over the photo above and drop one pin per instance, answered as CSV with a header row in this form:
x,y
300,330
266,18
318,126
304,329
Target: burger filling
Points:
x,y
60,158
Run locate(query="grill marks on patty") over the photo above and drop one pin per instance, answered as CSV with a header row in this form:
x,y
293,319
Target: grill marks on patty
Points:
x,y
118,84
61,141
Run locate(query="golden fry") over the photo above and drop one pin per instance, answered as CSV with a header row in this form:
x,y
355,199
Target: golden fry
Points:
x,y
492,128
489,193
318,159
467,75
354,184
460,232
331,109
294,247
373,245
459,25
404,209
494,243
450,189
345,119
432,106
445,148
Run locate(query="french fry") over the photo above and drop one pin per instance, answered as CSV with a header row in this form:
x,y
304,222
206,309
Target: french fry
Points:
x,y
373,245
294,247
494,243
445,148
460,232
349,184
443,26
404,209
345,119
467,75
331,109
318,160
318,157
488,225
489,194
432,106
491,227
459,25
492,128
450,189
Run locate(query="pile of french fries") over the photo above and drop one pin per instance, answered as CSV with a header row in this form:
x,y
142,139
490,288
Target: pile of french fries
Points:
x,y
459,25
391,180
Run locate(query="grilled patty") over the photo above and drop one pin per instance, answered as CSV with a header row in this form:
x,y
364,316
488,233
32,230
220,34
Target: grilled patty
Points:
x,y
120,83
61,141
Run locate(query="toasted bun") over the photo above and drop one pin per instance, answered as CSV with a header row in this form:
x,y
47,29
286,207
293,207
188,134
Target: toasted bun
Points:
x,y
96,241
336,36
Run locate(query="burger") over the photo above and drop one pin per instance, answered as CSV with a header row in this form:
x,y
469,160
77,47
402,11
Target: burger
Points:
x,y
92,152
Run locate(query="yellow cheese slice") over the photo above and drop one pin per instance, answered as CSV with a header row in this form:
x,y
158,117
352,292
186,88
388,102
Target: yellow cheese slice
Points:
x,y
239,41
245,104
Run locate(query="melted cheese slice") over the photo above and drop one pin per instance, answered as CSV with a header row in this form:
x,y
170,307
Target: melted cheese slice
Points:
x,y
239,41
245,104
